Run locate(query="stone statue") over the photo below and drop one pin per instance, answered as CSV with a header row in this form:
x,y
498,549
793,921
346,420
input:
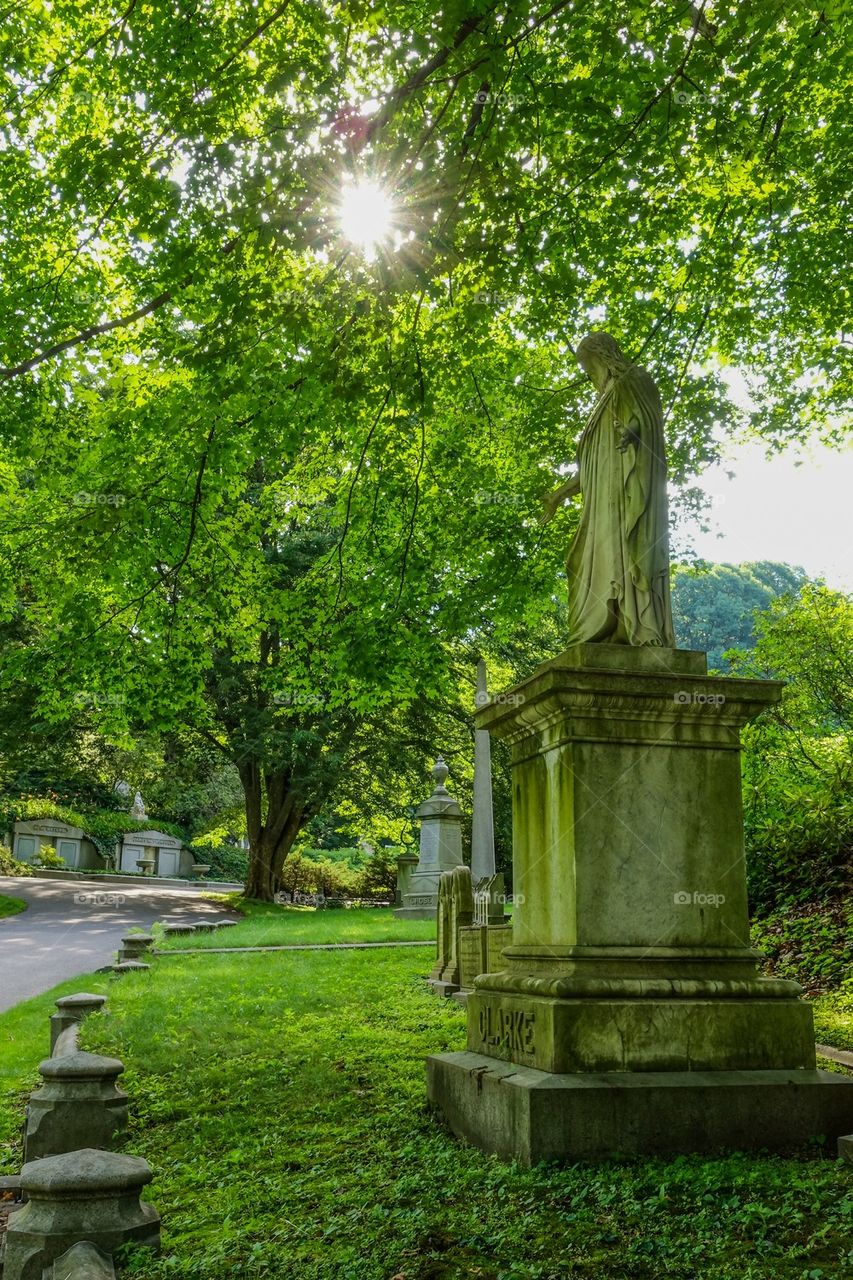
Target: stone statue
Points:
x,y
137,809
618,563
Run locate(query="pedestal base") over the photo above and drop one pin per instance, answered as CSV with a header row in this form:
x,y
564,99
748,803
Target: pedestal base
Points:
x,y
529,1115
643,1034
416,913
440,988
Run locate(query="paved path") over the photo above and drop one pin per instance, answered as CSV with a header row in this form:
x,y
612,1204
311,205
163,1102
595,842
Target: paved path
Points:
x,y
72,928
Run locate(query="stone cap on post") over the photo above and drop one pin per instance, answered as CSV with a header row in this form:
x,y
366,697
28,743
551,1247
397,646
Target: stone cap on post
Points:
x,y
70,1011
81,1003
80,1174
81,1066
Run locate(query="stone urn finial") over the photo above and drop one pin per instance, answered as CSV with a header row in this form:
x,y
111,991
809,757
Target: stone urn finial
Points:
x,y
440,773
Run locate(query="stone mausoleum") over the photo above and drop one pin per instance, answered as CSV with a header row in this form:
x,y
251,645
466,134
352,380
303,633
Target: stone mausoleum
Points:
x,y
78,852
161,854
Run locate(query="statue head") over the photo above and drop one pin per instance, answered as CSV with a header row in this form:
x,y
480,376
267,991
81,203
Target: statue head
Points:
x,y
601,358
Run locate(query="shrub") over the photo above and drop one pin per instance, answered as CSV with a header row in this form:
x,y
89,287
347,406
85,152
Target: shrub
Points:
x,y
10,866
226,861
50,859
321,875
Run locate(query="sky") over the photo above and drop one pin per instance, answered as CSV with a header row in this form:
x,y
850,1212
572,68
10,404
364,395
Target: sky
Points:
x,y
796,507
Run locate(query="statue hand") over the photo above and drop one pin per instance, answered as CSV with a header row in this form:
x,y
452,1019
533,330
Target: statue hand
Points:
x,y
550,502
627,438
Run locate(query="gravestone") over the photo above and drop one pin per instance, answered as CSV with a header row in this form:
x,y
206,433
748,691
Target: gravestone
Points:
x,y
629,1015
455,911
406,864
440,849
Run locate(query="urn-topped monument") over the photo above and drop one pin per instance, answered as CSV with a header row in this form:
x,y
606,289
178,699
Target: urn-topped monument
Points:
x,y
440,849
630,1014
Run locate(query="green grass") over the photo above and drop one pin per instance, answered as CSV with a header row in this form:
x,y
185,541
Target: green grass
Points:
x,y
268,925
11,906
280,1101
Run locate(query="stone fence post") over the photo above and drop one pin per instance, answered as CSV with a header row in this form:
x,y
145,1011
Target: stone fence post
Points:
x,y
78,1105
80,1201
82,1196
71,1010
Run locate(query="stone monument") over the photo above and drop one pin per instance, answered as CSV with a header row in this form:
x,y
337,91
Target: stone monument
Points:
x,y
455,912
488,885
629,1015
440,849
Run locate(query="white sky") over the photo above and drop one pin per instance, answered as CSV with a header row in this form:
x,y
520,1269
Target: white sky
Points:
x,y
774,509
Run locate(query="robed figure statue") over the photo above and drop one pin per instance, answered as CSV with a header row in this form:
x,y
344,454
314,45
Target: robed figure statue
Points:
x,y
618,564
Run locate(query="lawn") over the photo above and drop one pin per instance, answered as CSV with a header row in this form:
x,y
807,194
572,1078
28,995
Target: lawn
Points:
x,y
282,1106
268,925
11,906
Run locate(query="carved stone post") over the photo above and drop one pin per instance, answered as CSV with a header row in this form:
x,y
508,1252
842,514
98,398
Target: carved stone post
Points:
x,y
71,1011
82,1195
78,1106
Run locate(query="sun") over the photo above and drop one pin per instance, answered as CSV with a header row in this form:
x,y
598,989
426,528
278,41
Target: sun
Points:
x,y
366,215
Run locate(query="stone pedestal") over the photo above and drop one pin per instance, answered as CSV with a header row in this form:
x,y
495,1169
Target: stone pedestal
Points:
x,y
82,1262
630,952
78,1106
440,849
84,1195
134,946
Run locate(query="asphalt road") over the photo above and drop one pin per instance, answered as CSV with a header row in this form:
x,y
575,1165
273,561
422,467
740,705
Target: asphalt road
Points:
x,y
71,928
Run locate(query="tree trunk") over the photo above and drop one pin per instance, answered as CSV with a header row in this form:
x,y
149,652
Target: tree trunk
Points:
x,y
271,834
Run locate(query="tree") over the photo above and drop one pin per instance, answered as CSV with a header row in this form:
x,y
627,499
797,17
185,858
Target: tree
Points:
x,y
713,605
239,462
798,758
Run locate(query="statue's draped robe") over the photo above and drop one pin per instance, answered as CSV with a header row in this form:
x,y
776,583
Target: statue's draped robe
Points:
x,y
618,564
